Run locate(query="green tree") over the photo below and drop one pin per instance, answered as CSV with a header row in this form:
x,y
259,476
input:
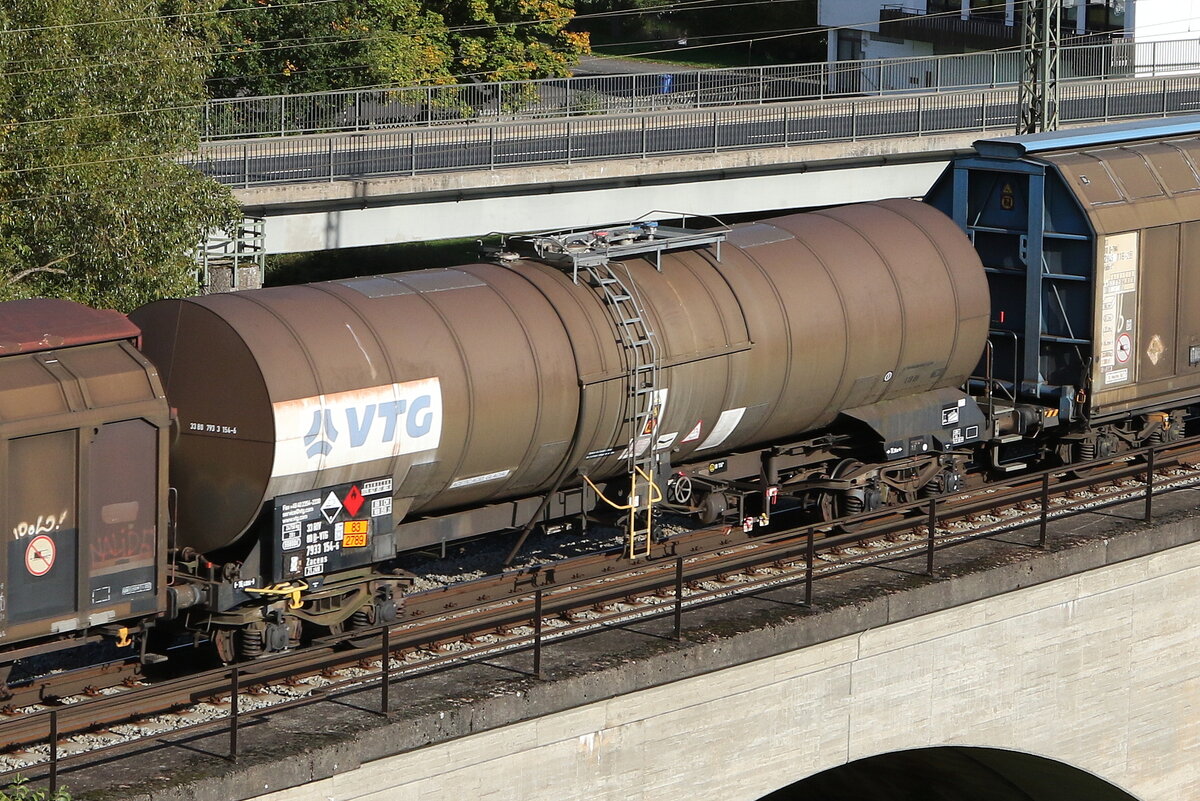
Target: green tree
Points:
x,y
97,97
508,40
294,46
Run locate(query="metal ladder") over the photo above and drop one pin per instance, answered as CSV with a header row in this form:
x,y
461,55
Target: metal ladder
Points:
x,y
643,406
592,253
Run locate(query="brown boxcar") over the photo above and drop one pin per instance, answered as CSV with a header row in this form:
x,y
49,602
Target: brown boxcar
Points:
x,y
83,452
1091,240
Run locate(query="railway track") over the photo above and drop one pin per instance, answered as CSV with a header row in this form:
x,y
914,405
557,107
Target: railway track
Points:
x,y
66,717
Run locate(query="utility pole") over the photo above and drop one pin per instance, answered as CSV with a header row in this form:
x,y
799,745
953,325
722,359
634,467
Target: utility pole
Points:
x,y
1041,35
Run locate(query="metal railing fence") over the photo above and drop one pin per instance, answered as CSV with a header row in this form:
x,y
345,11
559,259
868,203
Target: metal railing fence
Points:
x,y
564,141
370,109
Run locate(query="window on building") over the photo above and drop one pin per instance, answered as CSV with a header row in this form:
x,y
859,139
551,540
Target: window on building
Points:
x,y
988,9
1105,15
850,45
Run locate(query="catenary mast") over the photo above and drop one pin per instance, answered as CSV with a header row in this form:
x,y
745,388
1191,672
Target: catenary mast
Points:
x,y
1038,99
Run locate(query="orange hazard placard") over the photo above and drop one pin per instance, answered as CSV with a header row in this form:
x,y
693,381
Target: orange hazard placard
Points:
x,y
354,533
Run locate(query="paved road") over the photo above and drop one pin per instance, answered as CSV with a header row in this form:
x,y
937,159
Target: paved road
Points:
x,y
599,65
474,146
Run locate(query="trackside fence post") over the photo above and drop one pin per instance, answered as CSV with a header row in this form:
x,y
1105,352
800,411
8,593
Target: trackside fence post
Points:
x,y
808,567
679,598
1045,515
932,534
386,665
537,633
53,752
233,714
1149,484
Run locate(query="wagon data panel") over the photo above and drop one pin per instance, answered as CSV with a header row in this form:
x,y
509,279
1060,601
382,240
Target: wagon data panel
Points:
x,y
326,530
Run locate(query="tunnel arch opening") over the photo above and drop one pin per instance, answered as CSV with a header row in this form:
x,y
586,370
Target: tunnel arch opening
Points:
x,y
952,773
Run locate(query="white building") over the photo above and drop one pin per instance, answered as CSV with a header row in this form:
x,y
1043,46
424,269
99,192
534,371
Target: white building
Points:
x,y
866,29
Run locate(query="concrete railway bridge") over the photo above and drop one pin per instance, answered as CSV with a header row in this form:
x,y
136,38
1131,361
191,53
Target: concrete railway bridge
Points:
x,y
1016,674
383,187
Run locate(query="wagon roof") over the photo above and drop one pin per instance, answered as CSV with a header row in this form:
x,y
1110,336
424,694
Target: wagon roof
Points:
x,y
46,323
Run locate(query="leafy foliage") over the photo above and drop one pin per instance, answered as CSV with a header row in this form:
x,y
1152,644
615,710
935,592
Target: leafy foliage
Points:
x,y
295,47
21,790
509,40
96,99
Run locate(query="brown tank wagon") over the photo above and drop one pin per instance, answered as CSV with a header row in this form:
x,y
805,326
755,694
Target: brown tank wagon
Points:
x,y
486,382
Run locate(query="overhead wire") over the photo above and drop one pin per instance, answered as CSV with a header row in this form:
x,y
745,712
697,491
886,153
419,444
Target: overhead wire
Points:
x,y
320,41
304,42
684,4
670,6
680,5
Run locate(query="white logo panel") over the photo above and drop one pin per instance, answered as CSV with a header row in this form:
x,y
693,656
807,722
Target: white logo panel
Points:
x,y
360,425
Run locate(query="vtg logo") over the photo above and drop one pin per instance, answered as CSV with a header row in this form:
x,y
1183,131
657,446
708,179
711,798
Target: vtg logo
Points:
x,y
374,421
357,426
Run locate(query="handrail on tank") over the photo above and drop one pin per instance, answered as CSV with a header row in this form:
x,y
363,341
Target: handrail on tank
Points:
x,y
656,496
571,248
